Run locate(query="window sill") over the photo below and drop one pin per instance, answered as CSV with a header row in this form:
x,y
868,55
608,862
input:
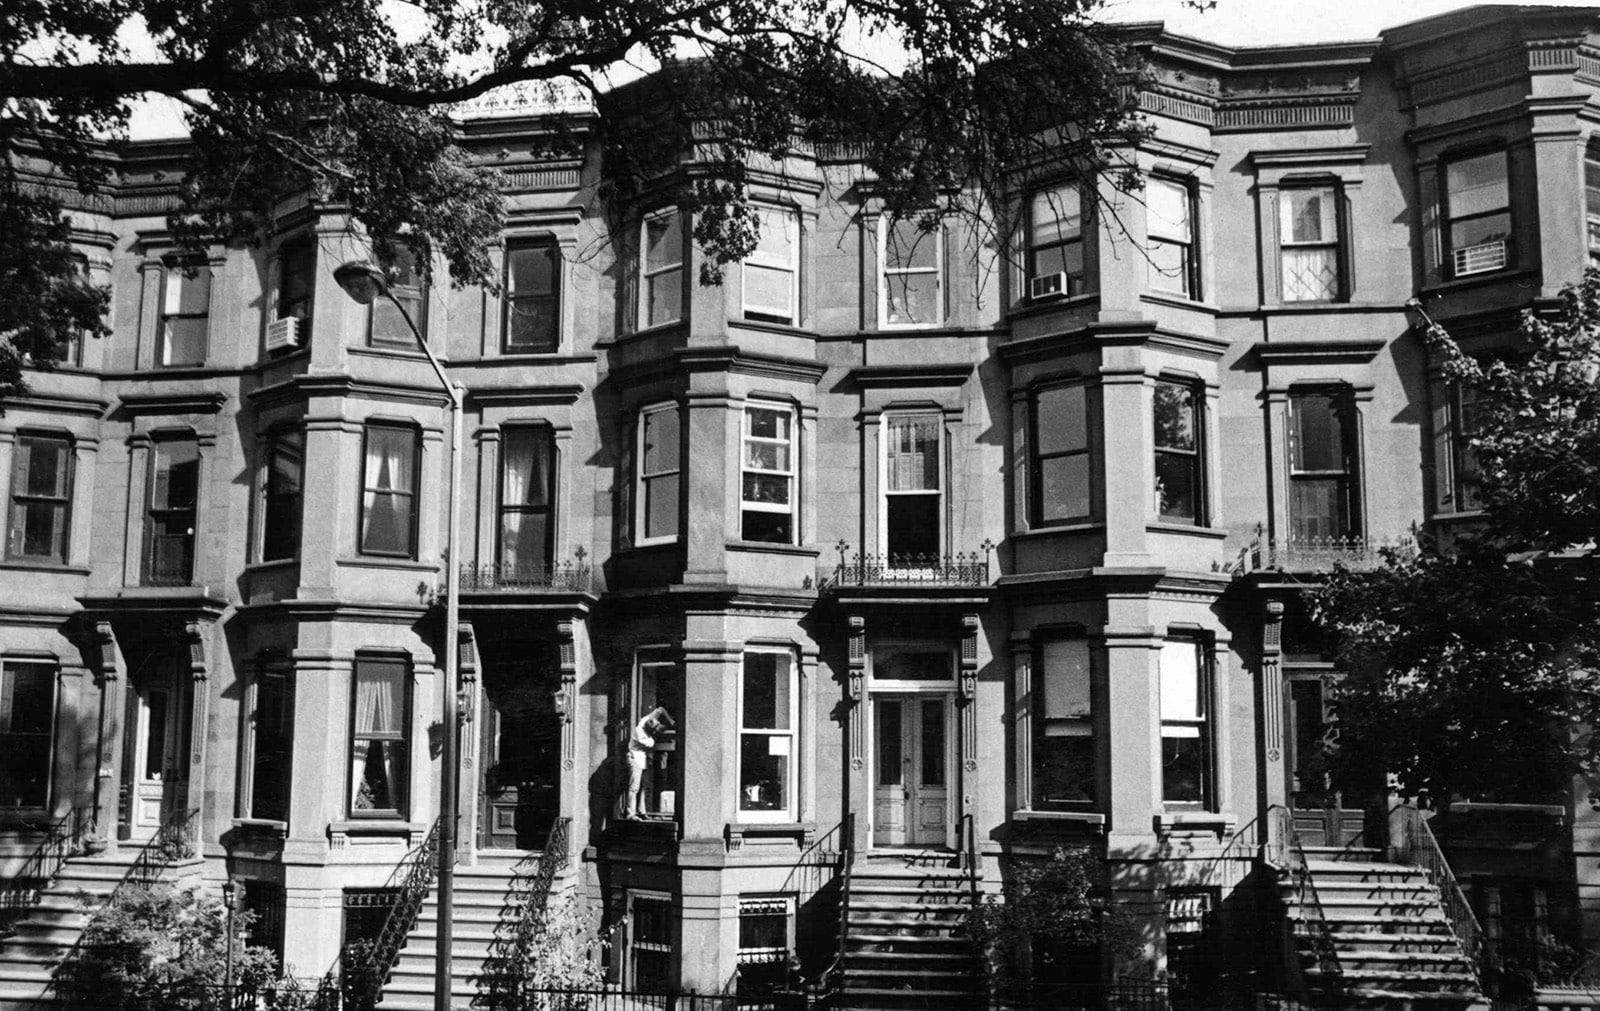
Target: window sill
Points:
x,y
1087,526
1207,533
1179,301
769,326
644,332
1093,820
738,832
26,819
1460,516
1306,308
378,827
272,566
1195,822
383,562
1026,308
368,351
264,828
640,549
557,357
767,547
28,565
1476,280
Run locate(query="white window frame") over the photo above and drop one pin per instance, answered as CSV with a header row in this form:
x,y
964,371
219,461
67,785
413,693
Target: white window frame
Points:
x,y
885,273
769,905
901,685
789,812
792,444
641,501
648,275
656,655
174,275
1287,243
1078,721
1202,725
1187,283
787,315
1051,197
884,491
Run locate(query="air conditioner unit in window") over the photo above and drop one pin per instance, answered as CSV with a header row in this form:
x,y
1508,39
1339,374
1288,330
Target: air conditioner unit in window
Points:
x,y
283,333
1048,286
1479,259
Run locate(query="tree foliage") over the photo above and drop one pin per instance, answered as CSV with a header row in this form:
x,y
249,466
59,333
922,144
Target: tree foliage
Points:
x,y
1470,665
531,964
339,99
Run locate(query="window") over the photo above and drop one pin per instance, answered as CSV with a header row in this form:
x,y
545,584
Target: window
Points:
x,y
1591,204
1457,481
1308,245
532,304
1060,489
174,498
766,942
1169,211
527,489
658,683
280,513
381,711
273,744
650,941
366,911
767,499
1064,773
265,902
1192,957
27,715
41,498
766,737
389,489
660,470
1185,725
1055,243
911,273
661,269
772,270
1322,467
386,326
1179,487
913,507
185,311
67,348
1477,214
297,281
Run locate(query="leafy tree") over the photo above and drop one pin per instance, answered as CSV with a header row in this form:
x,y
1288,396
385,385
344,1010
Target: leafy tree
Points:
x,y
333,98
531,964
1470,664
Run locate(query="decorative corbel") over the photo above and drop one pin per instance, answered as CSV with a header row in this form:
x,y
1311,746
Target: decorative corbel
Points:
x,y
858,657
104,647
467,646
969,657
194,633
566,696
1271,679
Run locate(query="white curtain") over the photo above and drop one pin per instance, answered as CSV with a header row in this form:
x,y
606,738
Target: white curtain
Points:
x,y
388,470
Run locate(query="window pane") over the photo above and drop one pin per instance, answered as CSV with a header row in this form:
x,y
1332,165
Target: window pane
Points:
x,y
766,423
1311,274
389,458
155,740
933,749
908,247
912,298
1055,216
47,465
378,776
665,297
1307,216
27,696
1064,487
767,489
524,542
663,242
1062,419
1063,769
531,270
766,691
296,281
1169,266
1477,185
177,484
183,340
763,930
913,454
766,456
1480,230
380,697
913,528
763,772
776,239
287,464
910,664
1063,679
1181,697
188,293
531,323
1183,765
661,506
769,290
1177,488
1319,435
661,435
1065,259
1175,421
766,528
890,748
43,529
526,467
1167,207
1316,509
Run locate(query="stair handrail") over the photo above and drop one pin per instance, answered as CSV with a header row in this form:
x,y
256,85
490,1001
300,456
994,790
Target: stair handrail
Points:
x,y
420,865
1412,842
847,839
552,859
62,840
502,980
175,840
969,839
1285,852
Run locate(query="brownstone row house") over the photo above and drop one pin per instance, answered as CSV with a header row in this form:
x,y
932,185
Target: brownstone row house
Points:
x,y
926,548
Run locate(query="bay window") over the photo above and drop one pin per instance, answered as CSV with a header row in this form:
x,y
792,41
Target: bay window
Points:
x,y
41,498
910,274
1178,465
767,489
771,274
185,312
661,269
1064,766
389,490
767,723
272,744
386,327
1309,245
913,488
1477,212
658,683
1060,480
527,490
1171,218
173,503
297,283
380,774
27,716
280,514
532,303
1186,731
1055,247
1323,489
658,498
1456,475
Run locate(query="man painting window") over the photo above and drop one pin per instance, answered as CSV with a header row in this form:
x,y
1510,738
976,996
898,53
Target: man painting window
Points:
x,y
640,744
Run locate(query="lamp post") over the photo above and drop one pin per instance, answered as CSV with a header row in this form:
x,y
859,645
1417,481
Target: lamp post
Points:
x,y
364,282
229,893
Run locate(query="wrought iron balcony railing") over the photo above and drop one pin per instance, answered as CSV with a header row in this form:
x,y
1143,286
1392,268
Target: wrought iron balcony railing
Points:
x,y
1314,554
959,569
562,576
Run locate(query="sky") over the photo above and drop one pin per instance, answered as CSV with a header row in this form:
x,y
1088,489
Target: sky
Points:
x,y
1234,22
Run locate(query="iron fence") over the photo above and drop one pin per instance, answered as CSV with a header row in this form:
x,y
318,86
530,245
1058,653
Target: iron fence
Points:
x,y
568,575
1314,554
959,569
196,995
1134,995
615,998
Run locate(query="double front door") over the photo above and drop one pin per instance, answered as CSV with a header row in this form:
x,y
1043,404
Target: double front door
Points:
x,y
911,770
156,760
521,748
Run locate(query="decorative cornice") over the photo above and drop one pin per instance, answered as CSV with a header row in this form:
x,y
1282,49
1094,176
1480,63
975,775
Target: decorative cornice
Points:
x,y
1110,334
1310,157
1354,352
308,388
187,603
1286,112
56,403
900,376
202,402
729,358
557,394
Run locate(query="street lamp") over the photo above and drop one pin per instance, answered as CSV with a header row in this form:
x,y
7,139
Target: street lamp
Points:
x,y
229,891
365,282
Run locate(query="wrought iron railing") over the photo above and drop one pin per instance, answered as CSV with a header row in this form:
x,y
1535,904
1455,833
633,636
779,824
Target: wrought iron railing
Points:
x,y
959,569
63,839
419,867
832,977
568,575
969,855
1314,554
502,983
1411,842
1284,852
175,840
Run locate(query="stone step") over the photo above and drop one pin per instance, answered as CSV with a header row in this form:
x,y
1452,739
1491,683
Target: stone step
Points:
x,y
1375,941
